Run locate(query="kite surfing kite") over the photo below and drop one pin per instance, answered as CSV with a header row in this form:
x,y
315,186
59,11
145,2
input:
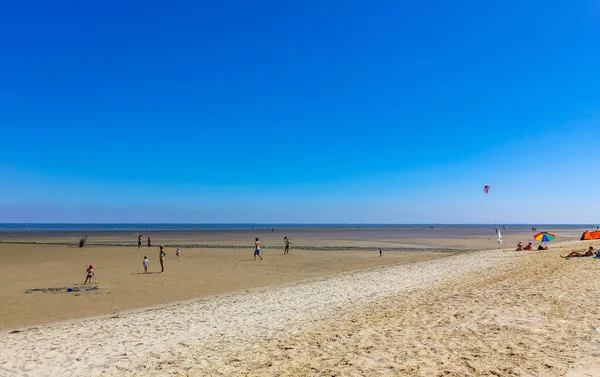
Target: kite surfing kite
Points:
x,y
486,189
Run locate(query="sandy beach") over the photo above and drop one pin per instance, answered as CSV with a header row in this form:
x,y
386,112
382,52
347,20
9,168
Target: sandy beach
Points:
x,y
39,267
122,284
323,313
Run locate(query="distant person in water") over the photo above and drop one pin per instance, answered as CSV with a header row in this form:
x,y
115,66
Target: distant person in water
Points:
x,y
287,245
149,242
146,264
257,245
89,275
140,241
161,256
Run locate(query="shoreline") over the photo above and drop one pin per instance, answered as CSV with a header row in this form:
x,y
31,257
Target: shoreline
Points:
x,y
245,247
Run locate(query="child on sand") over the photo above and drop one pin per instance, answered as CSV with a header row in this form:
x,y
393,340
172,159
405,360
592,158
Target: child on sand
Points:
x,y
90,274
146,264
177,253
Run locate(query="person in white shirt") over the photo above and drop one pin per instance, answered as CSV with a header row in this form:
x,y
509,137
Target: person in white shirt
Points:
x,y
146,264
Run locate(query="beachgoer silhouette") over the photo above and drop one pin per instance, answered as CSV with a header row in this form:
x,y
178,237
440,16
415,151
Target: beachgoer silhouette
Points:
x,y
257,245
161,256
287,245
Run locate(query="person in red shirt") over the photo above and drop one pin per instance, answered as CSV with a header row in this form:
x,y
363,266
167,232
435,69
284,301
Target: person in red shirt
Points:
x,y
149,242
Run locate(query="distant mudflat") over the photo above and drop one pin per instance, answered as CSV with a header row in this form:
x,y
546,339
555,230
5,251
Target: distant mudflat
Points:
x,y
459,238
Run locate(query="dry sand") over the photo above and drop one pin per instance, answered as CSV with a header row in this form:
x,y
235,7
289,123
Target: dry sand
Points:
x,y
470,314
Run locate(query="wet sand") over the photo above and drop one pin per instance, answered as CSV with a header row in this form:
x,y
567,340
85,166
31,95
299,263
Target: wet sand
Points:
x,y
199,272
314,239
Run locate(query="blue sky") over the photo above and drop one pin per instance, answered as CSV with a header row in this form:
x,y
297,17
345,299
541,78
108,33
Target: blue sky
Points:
x,y
300,111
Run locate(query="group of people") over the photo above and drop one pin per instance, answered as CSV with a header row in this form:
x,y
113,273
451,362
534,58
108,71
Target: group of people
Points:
x,y
162,253
589,253
258,245
573,254
161,256
140,241
529,246
520,246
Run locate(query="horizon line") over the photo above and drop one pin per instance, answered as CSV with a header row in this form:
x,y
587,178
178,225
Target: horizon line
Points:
x,y
280,223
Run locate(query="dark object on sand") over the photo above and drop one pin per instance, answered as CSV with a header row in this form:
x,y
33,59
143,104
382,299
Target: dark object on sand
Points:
x,y
82,241
64,289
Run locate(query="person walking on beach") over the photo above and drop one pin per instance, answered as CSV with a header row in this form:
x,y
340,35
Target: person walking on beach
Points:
x,y
161,256
177,252
380,253
146,264
90,275
257,245
287,245
140,241
149,242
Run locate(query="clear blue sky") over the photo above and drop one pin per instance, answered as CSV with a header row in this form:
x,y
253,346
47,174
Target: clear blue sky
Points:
x,y
300,111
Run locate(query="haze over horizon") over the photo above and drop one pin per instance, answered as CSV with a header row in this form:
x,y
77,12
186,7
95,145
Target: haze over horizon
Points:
x,y
304,112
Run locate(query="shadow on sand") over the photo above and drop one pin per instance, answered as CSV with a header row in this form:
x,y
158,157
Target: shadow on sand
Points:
x,y
81,288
